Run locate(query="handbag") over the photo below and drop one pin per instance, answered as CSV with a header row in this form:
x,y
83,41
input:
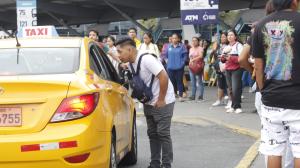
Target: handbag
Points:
x,y
197,66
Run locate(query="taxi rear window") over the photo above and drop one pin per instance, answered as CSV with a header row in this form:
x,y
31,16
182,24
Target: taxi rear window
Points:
x,y
36,61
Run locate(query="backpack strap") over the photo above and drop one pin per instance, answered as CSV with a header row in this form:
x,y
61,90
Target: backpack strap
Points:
x,y
140,60
152,80
139,67
132,69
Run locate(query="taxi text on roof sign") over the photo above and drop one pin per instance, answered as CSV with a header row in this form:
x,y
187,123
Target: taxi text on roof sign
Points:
x,y
38,31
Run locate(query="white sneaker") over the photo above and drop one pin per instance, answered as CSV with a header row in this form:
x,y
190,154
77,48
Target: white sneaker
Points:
x,y
230,110
217,103
238,111
181,99
251,90
141,105
228,106
226,98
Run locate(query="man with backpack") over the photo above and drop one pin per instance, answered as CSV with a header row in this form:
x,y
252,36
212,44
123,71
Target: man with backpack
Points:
x,y
152,87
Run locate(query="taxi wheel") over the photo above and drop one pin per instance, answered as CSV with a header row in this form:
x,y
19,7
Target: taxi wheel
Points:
x,y
113,156
131,157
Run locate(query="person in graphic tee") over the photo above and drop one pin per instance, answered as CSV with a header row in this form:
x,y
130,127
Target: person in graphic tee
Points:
x,y
276,50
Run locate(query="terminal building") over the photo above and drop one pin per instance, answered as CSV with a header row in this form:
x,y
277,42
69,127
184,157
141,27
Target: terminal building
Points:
x,y
76,17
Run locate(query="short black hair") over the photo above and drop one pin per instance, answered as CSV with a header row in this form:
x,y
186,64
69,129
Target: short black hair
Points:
x,y
197,38
223,33
132,28
126,41
269,7
95,31
150,36
282,4
178,35
112,39
232,31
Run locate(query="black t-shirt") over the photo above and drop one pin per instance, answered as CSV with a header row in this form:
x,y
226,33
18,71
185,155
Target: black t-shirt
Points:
x,y
277,41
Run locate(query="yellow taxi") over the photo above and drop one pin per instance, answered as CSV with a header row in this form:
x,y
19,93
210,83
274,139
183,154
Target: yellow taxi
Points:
x,y
62,105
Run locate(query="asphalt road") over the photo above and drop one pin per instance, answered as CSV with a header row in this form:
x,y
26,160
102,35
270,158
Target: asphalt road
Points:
x,y
203,146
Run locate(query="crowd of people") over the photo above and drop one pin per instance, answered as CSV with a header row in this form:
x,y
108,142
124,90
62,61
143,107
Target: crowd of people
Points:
x,y
176,56
269,58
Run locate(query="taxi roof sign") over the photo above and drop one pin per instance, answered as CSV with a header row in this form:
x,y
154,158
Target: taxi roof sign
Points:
x,y
37,31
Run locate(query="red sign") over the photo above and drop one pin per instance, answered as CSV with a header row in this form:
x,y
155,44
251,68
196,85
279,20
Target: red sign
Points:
x,y
36,31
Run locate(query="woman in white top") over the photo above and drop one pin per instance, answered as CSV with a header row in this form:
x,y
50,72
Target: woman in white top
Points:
x,y
148,46
233,71
112,49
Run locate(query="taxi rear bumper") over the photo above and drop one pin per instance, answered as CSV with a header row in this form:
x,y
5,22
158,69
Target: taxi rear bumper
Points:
x,y
44,149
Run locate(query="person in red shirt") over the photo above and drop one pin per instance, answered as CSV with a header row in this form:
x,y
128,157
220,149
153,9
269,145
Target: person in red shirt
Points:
x,y
233,71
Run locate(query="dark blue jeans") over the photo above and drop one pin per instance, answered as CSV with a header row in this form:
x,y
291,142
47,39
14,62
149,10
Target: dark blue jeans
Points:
x,y
247,79
176,77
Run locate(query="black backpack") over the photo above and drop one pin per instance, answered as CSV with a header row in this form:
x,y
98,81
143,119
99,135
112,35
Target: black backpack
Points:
x,y
141,91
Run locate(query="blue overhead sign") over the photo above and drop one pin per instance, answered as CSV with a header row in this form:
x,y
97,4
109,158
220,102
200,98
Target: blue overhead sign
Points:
x,y
196,12
26,3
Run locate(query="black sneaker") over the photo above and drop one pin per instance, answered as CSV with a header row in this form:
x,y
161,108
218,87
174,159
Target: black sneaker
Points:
x,y
192,98
254,111
200,99
154,167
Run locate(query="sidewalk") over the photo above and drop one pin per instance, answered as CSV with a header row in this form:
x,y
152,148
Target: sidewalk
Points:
x,y
248,119
247,123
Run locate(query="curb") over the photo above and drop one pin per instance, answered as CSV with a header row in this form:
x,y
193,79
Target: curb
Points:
x,y
234,128
249,156
240,130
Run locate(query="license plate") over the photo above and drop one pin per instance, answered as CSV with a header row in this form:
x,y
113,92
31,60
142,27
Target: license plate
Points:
x,y
10,117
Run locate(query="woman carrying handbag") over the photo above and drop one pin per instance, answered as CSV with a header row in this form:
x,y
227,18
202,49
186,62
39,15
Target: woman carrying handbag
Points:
x,y
196,67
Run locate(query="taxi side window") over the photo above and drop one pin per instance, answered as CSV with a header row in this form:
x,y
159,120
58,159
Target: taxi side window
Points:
x,y
95,64
108,66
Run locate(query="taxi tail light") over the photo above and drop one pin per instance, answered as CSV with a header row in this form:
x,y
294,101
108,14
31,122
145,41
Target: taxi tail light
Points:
x,y
78,158
76,107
